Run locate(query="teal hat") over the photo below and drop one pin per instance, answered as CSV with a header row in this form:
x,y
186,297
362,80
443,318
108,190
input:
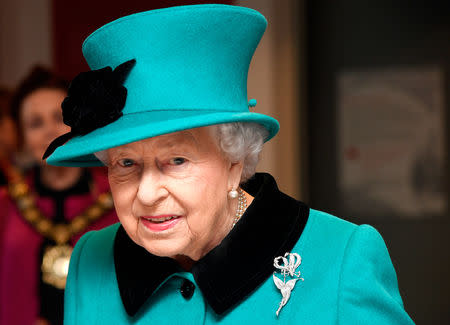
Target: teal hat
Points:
x,y
181,68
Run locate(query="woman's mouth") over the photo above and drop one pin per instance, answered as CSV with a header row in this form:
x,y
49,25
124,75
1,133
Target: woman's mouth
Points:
x,y
160,223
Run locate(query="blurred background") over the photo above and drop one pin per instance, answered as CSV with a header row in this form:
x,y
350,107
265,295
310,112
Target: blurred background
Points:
x,y
362,93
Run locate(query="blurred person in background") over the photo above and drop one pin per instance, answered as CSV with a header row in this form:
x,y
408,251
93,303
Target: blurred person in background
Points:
x,y
8,136
8,144
45,209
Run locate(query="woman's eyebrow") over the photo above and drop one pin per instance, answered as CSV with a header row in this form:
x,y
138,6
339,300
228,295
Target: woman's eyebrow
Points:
x,y
166,142
119,153
181,139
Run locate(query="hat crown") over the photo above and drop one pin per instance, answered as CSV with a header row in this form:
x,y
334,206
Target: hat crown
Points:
x,y
191,66
191,58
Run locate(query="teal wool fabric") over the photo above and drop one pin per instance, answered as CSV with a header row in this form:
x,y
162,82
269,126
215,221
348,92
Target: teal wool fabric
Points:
x,y
191,71
347,271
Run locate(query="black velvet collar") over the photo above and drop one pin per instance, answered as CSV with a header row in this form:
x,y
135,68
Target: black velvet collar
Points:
x,y
270,227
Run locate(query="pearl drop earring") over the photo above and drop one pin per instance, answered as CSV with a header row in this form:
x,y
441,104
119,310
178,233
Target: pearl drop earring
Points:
x,y
233,194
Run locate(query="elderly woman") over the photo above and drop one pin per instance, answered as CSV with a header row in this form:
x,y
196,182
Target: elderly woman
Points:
x,y
202,239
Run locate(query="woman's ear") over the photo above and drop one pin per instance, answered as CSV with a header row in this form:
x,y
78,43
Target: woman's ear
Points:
x,y
235,174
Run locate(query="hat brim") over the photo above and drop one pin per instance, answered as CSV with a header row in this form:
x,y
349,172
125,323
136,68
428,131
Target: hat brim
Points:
x,y
79,151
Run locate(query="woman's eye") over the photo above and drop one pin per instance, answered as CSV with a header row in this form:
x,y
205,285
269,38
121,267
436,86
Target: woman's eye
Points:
x,y
177,161
126,162
35,123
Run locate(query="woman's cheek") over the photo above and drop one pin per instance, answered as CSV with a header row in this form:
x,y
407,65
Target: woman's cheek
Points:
x,y
123,194
33,143
123,202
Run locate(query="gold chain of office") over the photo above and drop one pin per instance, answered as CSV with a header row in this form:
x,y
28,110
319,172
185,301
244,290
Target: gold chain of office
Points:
x,y
56,258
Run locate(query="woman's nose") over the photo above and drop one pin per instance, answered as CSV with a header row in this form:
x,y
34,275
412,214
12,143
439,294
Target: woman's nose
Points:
x,y
151,189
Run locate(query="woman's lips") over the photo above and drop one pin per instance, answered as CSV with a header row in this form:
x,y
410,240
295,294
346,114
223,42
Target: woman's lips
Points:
x,y
160,223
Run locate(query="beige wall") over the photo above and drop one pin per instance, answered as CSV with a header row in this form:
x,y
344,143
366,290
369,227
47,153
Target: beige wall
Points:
x,y
275,80
25,38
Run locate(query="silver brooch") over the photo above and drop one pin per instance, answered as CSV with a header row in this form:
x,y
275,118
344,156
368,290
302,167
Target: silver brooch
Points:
x,y
291,261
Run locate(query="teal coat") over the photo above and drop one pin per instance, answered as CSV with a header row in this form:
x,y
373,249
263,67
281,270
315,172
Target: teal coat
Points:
x,y
348,275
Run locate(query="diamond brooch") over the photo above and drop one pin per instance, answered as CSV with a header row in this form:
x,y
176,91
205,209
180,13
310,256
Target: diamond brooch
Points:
x,y
289,264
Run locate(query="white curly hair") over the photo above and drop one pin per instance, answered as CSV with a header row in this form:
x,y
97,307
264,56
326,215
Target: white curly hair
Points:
x,y
242,141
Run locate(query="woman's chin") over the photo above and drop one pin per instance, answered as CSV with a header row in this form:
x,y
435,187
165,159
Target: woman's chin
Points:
x,y
164,248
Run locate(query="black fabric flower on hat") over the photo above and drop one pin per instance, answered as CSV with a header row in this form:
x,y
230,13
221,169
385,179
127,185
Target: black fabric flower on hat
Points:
x,y
94,99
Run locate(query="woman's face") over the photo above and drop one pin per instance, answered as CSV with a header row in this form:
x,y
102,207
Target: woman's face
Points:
x,y
41,120
171,192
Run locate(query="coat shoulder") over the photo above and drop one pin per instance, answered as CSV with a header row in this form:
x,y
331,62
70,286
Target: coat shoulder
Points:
x,y
324,225
97,239
330,235
91,275
331,220
335,230
95,247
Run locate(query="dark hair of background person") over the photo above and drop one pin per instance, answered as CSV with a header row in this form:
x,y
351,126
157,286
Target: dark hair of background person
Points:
x,y
5,95
38,78
8,136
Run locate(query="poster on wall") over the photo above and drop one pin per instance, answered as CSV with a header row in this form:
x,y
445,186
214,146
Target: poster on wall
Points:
x,y
391,151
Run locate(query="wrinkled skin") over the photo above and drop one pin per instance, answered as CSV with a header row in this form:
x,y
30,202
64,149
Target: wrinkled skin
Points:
x,y
182,174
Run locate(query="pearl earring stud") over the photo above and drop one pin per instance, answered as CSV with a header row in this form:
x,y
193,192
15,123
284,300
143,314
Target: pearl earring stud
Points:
x,y
233,194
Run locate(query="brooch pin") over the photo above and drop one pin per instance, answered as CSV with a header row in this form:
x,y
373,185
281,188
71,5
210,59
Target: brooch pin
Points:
x,y
291,261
